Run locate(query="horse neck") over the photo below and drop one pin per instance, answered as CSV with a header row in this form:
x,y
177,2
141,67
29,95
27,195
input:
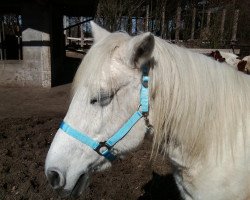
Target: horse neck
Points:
x,y
197,103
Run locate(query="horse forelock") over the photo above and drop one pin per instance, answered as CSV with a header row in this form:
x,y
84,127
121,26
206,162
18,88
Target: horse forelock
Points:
x,y
198,104
95,67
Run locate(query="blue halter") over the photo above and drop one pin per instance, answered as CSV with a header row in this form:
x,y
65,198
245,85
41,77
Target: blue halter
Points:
x,y
105,148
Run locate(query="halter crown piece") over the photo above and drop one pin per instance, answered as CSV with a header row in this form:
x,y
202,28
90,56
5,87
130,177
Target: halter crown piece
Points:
x,y
105,148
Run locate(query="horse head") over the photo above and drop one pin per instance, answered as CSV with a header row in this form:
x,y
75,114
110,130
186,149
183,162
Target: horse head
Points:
x,y
105,99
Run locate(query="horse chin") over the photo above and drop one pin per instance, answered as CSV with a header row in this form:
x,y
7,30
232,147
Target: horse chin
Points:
x,y
84,180
81,185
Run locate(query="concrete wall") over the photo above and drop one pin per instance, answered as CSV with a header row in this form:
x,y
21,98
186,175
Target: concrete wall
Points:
x,y
35,68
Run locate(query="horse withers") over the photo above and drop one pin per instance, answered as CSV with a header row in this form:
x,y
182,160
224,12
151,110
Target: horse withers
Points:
x,y
198,108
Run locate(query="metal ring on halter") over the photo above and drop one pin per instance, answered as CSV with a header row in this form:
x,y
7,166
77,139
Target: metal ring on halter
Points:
x,y
144,114
102,148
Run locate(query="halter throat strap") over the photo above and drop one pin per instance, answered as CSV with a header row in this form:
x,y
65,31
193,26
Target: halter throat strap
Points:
x,y
105,148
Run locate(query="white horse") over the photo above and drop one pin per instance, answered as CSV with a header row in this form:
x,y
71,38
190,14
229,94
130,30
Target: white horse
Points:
x,y
199,109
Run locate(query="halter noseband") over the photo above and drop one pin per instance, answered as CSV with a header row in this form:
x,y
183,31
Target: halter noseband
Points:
x,y
105,148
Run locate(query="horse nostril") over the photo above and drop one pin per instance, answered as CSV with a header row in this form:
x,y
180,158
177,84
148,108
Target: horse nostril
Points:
x,y
55,178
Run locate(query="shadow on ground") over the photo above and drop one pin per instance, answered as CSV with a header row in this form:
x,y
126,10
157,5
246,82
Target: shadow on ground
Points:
x,y
160,187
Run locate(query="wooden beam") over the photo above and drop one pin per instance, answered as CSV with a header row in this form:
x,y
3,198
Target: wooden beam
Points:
x,y
235,25
223,17
178,24
193,23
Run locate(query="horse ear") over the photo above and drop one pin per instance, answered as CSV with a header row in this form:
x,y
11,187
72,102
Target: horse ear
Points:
x,y
98,32
140,48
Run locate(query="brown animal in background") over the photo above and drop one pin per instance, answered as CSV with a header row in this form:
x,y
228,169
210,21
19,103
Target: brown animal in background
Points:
x,y
217,56
242,66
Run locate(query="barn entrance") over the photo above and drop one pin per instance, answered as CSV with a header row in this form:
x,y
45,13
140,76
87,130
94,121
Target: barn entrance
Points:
x,y
69,38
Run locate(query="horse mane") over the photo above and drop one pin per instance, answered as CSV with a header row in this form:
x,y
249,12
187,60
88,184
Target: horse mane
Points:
x,y
198,104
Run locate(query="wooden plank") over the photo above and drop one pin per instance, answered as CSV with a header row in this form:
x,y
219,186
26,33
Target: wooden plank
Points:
x,y
237,51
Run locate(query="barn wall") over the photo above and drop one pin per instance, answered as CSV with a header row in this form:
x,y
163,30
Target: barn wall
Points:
x,y
35,68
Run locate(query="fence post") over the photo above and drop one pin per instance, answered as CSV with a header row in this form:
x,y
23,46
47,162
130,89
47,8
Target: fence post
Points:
x,y
1,41
163,25
207,29
235,25
82,33
147,18
222,24
203,13
65,23
178,24
208,19
193,23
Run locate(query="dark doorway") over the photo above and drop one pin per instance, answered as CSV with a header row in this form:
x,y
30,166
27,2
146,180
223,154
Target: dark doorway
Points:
x,y
70,39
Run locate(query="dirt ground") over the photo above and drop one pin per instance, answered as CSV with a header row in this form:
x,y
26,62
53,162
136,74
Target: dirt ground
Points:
x,y
29,118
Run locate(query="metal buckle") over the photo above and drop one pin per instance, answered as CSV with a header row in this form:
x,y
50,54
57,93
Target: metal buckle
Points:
x,y
144,114
138,108
102,148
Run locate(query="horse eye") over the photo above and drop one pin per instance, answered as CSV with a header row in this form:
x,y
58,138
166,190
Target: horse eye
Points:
x,y
104,99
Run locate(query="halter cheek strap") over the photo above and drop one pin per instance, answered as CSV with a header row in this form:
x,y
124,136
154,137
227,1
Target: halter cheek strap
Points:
x,y
105,148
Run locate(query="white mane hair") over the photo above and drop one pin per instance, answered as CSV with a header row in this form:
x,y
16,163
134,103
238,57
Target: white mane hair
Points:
x,y
198,103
